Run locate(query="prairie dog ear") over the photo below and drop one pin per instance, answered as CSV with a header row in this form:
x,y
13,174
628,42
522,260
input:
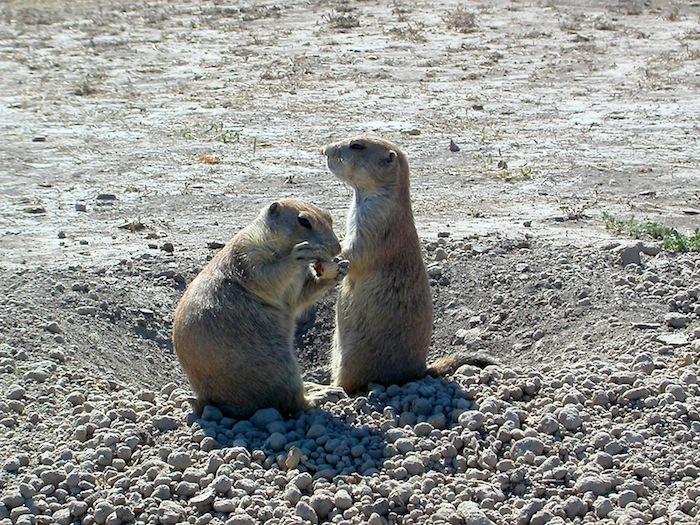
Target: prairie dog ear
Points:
x,y
391,157
272,210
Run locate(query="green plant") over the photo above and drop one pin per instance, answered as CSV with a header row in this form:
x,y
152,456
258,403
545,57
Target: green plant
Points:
x,y
224,134
672,239
575,208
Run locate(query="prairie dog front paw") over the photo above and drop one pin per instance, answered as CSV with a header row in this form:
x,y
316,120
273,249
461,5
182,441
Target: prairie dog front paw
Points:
x,y
335,269
306,251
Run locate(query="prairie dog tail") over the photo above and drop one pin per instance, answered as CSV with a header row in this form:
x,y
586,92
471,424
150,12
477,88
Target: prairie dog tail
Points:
x,y
449,364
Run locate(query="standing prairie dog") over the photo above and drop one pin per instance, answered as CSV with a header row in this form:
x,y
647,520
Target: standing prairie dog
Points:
x,y
233,328
384,311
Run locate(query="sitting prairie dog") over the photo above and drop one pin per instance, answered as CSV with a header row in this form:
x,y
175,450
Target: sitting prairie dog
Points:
x,y
384,311
233,327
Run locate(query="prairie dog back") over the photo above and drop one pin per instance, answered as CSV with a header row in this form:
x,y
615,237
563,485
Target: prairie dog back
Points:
x,y
233,328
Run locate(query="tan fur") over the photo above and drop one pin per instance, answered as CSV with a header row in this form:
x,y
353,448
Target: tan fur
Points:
x,y
233,328
384,313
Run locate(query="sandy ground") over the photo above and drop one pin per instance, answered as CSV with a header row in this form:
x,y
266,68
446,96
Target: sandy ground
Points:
x,y
193,114
136,136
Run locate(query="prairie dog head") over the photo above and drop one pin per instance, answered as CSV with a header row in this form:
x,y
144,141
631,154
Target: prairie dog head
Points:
x,y
368,163
291,221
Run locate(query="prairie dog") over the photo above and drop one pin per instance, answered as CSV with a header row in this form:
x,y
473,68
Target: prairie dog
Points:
x,y
233,327
384,312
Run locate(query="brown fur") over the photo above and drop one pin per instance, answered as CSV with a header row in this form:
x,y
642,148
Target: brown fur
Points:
x,y
384,313
233,328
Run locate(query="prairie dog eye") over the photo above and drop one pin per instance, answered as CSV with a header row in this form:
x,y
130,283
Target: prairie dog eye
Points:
x,y
304,222
357,145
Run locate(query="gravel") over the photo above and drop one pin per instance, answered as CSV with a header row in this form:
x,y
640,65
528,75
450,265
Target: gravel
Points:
x,y
612,438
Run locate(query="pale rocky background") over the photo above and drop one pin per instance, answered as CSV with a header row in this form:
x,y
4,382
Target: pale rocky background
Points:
x,y
138,137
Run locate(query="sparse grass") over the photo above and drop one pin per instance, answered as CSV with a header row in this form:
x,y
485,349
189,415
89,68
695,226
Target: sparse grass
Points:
x,y
506,173
671,238
461,20
409,33
574,209
342,21
224,134
86,87
215,132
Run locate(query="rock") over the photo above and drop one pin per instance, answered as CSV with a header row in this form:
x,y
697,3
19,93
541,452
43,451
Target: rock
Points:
x,y
179,460
165,423
525,445
226,505
316,431
598,484
221,484
602,507
422,407
15,392
676,320
75,398
423,428
186,489
463,336
413,465
570,418
342,499
103,509
169,512
626,497
61,517
38,374
204,499
106,197
11,465
575,506
249,486
548,424
529,510
57,354
673,339
471,419
634,394
435,271
541,517
12,501
322,505
629,254
292,494
54,328
212,413
277,441
440,255
262,418
240,518
303,481
77,508
651,249
86,310
53,477
306,512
